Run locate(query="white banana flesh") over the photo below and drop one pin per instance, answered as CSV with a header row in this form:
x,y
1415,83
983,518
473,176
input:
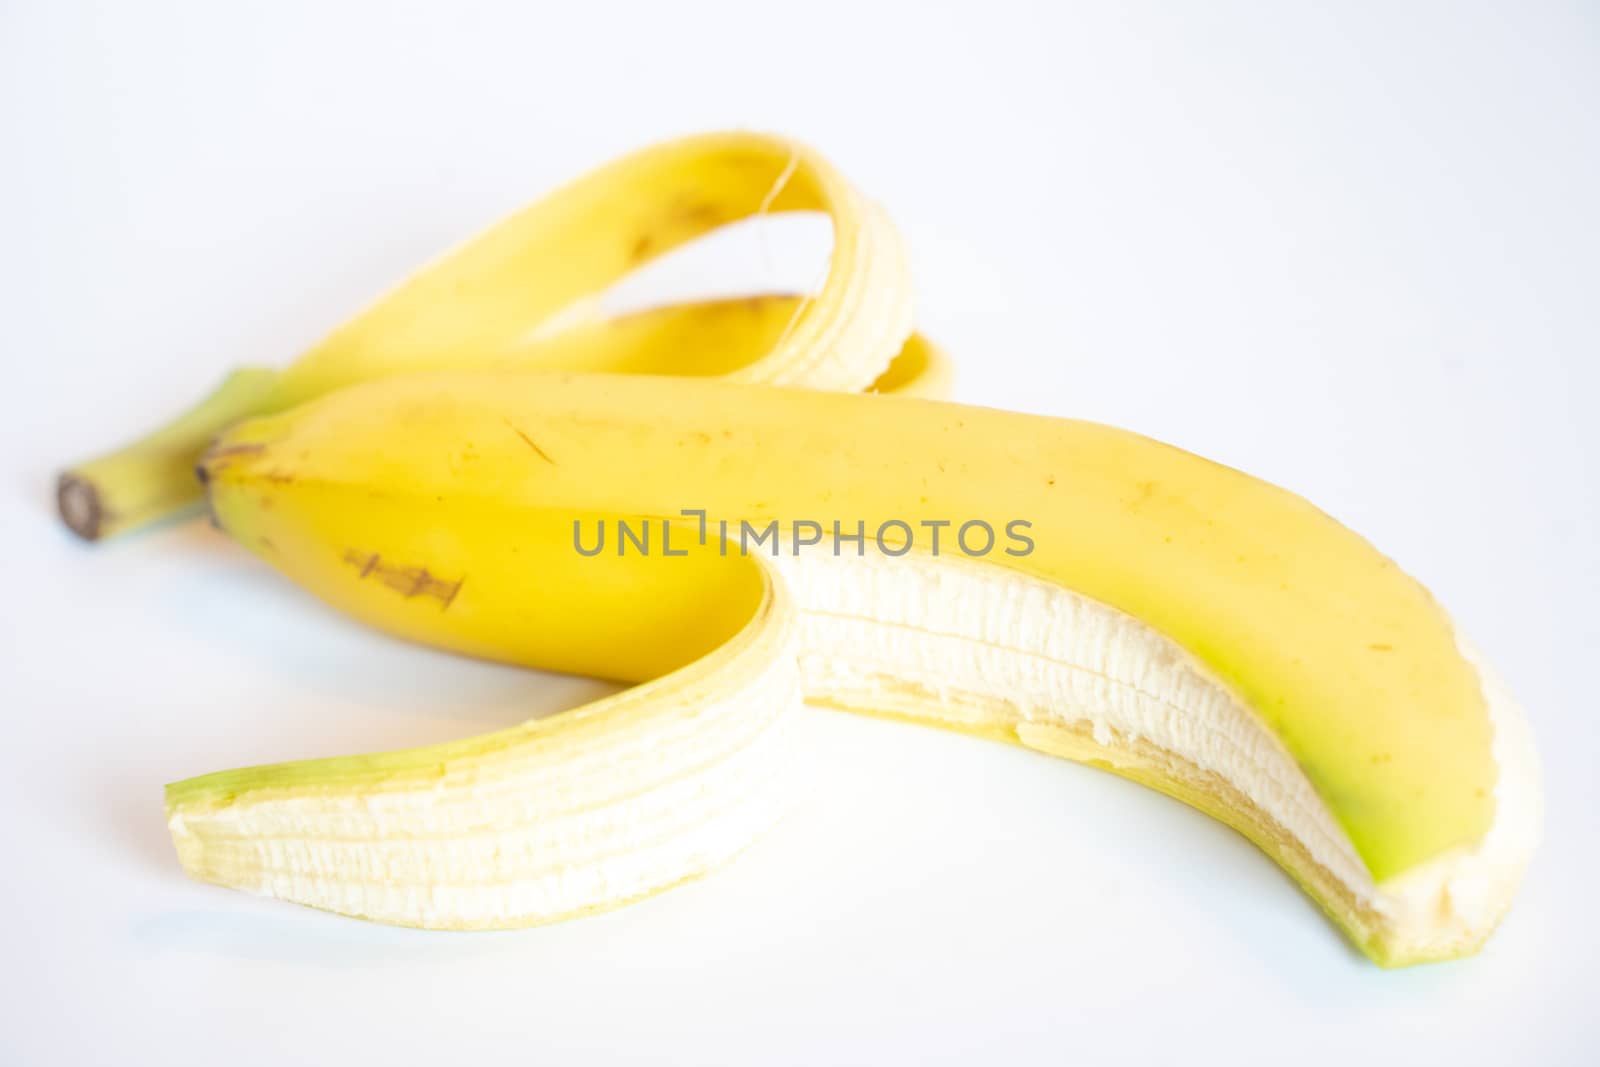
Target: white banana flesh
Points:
x,y
972,647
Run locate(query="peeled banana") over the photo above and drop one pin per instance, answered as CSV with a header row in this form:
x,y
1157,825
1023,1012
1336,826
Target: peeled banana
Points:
x,y
1095,595
484,462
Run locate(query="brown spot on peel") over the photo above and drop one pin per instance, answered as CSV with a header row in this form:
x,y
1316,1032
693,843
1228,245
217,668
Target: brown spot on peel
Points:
x,y
696,215
530,442
685,218
409,582
216,459
249,448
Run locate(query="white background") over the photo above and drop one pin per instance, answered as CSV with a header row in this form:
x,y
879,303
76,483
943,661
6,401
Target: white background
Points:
x,y
1354,251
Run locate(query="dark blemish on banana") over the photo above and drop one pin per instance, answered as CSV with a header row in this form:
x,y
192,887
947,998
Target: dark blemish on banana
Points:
x,y
688,214
247,449
695,214
531,443
215,460
407,581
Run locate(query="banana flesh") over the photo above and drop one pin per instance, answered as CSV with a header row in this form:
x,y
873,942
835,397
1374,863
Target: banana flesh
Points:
x,y
522,295
1166,626
1007,656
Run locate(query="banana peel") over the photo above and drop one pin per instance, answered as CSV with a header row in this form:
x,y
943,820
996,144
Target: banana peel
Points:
x,y
523,295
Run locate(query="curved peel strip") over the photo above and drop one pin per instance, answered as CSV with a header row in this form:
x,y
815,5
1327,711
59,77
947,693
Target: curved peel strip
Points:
x,y
553,819
505,299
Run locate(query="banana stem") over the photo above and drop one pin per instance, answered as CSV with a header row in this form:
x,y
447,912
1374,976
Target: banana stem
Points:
x,y
154,477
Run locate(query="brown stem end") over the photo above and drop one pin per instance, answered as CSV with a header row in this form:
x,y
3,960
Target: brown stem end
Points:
x,y
79,503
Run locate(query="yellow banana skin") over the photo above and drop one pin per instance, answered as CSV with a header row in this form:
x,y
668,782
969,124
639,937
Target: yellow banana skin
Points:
x,y
553,819
1176,621
515,297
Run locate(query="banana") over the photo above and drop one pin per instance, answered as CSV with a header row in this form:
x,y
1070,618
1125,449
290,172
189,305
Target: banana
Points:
x,y
1074,588
523,295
